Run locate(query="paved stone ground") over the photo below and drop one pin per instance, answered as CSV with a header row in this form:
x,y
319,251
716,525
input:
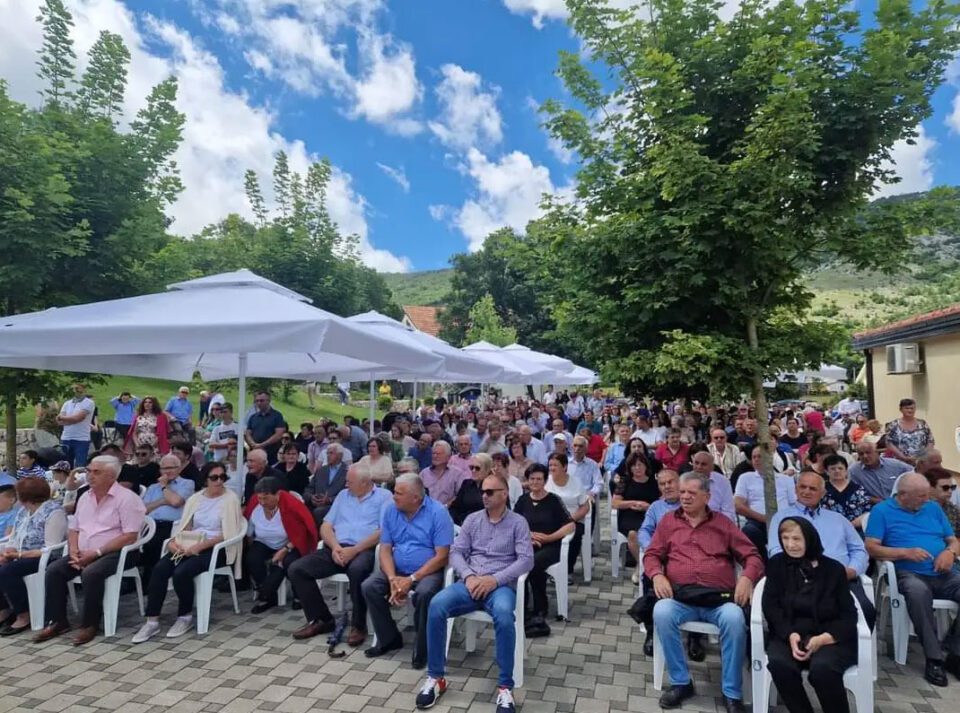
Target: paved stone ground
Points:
x,y
592,664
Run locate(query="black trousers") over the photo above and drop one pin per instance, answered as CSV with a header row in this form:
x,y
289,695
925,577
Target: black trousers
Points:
x,y
756,532
825,667
267,577
93,577
305,572
154,548
182,574
575,545
376,590
13,592
543,557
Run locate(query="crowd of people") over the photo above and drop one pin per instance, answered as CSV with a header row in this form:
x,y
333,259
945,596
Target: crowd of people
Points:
x,y
452,506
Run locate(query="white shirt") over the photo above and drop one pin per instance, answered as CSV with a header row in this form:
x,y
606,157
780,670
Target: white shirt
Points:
x,y
514,490
588,473
77,431
574,408
572,494
549,398
649,437
221,433
268,531
536,451
750,488
207,518
848,407
217,399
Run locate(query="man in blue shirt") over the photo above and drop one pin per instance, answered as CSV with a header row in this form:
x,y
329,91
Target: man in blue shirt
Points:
x,y
125,407
350,532
423,451
179,410
164,500
876,474
915,534
840,540
265,427
415,537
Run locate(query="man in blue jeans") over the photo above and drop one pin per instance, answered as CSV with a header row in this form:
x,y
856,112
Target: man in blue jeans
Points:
x,y
75,417
492,551
690,561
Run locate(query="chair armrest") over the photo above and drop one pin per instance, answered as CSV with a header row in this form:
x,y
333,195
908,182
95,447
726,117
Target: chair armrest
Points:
x,y
758,654
565,547
890,572
220,546
47,551
449,576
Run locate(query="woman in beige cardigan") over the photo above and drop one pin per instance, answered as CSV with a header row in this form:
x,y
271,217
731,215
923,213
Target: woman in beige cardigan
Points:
x,y
214,512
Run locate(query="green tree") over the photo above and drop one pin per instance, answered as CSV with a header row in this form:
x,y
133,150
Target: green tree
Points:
x,y
727,158
157,133
255,197
486,326
103,84
57,59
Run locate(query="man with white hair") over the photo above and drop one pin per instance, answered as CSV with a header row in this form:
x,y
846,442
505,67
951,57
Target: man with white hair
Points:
x,y
441,480
108,518
164,501
536,451
915,534
329,480
350,532
257,469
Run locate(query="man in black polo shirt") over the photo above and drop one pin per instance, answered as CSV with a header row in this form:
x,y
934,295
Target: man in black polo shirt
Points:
x,y
265,427
144,471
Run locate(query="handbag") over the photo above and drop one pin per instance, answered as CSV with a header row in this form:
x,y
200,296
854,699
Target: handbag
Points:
x,y
696,595
187,538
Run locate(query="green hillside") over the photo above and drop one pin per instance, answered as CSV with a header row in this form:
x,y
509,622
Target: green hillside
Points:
x,y
428,287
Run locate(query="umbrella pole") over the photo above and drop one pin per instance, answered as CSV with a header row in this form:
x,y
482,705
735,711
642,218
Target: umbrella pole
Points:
x,y
241,410
372,405
414,397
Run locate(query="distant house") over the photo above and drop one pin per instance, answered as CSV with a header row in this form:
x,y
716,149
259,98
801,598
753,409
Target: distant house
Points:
x,y
423,318
918,358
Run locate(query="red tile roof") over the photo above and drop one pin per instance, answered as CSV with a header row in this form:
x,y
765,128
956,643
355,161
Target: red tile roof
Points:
x,y
913,321
426,319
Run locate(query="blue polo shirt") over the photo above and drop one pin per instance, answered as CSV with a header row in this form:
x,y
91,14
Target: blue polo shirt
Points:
x,y
354,519
896,527
184,487
125,411
416,538
180,409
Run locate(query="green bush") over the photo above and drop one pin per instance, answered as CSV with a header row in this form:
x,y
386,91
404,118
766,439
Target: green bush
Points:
x,y
384,403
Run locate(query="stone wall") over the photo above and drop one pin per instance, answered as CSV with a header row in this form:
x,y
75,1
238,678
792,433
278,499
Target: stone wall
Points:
x,y
25,441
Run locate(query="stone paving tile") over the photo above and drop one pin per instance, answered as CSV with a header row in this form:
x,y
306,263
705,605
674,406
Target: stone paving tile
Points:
x,y
592,664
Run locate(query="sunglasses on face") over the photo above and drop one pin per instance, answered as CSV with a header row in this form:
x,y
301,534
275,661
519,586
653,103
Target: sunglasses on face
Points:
x,y
216,478
475,467
948,488
488,492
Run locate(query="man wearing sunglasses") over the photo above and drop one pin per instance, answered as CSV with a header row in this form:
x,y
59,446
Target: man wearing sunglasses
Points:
x,y
942,488
489,555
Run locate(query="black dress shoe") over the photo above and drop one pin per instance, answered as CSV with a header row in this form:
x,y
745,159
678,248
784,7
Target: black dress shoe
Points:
x,y
261,607
733,705
934,673
648,644
695,650
381,649
953,664
675,695
11,630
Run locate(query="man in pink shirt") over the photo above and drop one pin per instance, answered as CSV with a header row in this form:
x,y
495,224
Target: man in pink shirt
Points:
x,y
441,479
108,518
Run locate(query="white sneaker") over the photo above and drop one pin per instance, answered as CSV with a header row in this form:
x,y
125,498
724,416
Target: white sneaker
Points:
x,y
147,632
636,576
181,626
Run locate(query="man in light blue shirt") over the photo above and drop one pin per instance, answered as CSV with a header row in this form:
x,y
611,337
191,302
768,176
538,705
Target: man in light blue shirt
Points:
x,y
876,474
721,494
416,533
350,532
125,408
840,540
164,501
618,450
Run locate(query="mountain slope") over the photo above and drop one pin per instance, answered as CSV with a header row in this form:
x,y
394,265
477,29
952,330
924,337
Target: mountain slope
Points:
x,y
428,287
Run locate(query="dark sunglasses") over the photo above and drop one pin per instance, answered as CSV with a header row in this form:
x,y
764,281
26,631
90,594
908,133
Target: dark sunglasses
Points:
x,y
217,478
475,467
948,488
488,492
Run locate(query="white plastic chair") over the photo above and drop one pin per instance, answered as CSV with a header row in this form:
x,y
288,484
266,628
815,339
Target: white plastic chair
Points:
x,y
558,572
472,621
112,585
764,695
343,581
899,618
586,546
618,543
36,585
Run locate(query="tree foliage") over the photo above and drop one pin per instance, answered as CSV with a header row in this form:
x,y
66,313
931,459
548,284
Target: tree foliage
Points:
x,y
486,326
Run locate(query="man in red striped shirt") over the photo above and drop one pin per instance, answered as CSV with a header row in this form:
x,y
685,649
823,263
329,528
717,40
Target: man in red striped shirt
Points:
x,y
695,546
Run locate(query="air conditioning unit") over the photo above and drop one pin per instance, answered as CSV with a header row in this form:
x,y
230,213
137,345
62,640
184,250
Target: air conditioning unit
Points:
x,y
904,358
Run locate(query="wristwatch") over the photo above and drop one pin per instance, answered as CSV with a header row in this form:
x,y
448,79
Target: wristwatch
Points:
x,y
413,578
99,553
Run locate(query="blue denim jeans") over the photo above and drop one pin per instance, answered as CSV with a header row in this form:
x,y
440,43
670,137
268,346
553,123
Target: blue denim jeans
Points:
x,y
456,600
669,614
76,452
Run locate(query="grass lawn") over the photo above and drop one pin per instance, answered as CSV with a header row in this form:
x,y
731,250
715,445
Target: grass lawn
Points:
x,y
295,412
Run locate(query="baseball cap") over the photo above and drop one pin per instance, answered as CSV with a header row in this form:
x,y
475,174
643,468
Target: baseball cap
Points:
x,y
62,465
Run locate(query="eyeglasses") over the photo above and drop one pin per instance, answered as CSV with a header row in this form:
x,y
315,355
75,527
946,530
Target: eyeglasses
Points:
x,y
475,467
488,492
169,467
948,488
216,478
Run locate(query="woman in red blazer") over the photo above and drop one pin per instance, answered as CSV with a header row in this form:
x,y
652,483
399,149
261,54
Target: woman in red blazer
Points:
x,y
149,428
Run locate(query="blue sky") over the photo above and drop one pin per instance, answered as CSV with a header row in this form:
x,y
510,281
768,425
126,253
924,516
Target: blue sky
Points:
x,y
427,108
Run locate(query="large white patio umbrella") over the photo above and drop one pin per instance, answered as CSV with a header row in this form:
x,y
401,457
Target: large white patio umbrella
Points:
x,y
217,325
521,370
559,364
576,376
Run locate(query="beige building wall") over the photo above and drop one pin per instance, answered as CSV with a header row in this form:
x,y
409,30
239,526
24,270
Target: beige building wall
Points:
x,y
936,391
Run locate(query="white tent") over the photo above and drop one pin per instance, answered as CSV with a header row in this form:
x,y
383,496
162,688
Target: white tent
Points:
x,y
522,369
220,325
577,376
558,364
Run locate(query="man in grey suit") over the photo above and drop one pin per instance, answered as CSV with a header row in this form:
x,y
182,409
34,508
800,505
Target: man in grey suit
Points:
x,y
326,483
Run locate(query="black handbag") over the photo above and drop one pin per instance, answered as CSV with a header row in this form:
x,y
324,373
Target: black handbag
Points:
x,y
696,595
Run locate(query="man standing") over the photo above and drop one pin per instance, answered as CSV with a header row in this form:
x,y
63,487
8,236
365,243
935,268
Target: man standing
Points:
x,y
915,534
415,537
849,408
124,407
441,480
875,473
350,532
491,553
265,427
695,547
840,540
587,472
327,483
108,518
180,410
164,501
225,434
574,407
75,417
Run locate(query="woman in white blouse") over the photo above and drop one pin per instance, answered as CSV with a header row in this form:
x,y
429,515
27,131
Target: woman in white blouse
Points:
x,y
378,460
574,497
209,517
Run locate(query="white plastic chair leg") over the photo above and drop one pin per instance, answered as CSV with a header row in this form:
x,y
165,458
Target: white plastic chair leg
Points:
x,y
518,651
203,586
111,604
36,597
470,630
72,589
900,623
659,663
233,593
614,556
587,556
563,593
282,593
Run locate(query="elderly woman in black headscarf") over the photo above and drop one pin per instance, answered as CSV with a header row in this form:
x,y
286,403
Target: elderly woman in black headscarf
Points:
x,y
812,620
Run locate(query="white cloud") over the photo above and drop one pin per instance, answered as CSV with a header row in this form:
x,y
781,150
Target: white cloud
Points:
x,y
953,77
508,193
224,134
468,113
389,87
557,9
398,175
913,164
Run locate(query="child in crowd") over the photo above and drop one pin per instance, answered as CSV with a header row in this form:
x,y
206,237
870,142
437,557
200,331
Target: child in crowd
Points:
x,y
9,507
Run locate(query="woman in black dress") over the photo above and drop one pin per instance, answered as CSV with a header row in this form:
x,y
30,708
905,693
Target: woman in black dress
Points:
x,y
469,499
549,523
293,470
632,495
812,620
636,445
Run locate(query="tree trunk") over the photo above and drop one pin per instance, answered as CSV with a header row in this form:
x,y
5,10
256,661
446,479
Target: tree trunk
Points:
x,y
10,411
763,425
